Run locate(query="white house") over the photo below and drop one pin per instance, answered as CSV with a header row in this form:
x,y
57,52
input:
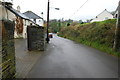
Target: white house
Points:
x,y
105,15
21,21
34,17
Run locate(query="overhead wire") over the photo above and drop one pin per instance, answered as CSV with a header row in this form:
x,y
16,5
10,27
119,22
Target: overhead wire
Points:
x,y
78,9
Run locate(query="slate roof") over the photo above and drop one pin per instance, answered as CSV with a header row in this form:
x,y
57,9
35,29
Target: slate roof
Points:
x,y
103,11
17,13
32,15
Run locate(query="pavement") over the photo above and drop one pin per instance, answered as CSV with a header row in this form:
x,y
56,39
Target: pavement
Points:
x,y
25,59
64,58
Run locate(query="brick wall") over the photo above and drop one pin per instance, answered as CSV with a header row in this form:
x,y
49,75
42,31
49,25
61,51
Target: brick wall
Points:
x,y
8,49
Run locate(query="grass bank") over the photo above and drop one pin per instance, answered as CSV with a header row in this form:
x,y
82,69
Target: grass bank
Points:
x,y
99,35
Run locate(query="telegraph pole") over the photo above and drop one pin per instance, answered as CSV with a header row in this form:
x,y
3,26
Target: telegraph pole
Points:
x,y
117,31
47,39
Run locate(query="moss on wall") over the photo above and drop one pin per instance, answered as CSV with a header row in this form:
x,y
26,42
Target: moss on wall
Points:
x,y
8,50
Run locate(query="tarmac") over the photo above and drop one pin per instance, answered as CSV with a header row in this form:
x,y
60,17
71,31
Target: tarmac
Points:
x,y
25,59
64,58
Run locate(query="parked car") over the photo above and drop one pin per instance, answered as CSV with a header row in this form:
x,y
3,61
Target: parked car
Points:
x,y
50,35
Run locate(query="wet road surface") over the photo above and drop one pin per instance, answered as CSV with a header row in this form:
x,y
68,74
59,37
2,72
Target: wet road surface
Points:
x,y
64,58
25,59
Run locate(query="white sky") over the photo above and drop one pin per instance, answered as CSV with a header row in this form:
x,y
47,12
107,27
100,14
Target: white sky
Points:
x,y
67,7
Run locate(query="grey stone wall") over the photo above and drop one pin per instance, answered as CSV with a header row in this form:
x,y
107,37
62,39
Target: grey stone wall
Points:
x,y
8,49
36,38
0,49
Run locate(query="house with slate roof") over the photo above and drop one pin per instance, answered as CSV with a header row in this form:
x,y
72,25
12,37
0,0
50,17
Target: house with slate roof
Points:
x,y
21,20
34,17
105,15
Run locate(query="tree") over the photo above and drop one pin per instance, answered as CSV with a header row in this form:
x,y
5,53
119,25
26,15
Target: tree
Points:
x,y
54,26
80,21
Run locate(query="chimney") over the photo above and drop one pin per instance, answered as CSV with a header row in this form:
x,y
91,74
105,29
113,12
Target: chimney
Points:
x,y
18,8
8,3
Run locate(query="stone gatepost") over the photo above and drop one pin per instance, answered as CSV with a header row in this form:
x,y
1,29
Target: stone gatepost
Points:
x,y
8,49
35,38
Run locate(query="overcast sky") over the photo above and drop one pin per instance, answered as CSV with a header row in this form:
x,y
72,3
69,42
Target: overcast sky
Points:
x,y
67,8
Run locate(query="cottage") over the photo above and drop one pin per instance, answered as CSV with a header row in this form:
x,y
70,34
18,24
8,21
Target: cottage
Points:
x,y
103,16
34,17
21,21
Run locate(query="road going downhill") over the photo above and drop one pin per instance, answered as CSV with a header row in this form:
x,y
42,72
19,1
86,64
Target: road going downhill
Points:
x,y
64,58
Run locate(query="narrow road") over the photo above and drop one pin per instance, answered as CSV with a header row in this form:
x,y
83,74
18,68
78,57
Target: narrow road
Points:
x,y
64,58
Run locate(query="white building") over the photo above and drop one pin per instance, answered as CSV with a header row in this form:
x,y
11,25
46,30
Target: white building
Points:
x,y
21,21
34,17
105,15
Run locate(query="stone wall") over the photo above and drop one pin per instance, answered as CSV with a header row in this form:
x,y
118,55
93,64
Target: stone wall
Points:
x,y
36,38
0,49
8,49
